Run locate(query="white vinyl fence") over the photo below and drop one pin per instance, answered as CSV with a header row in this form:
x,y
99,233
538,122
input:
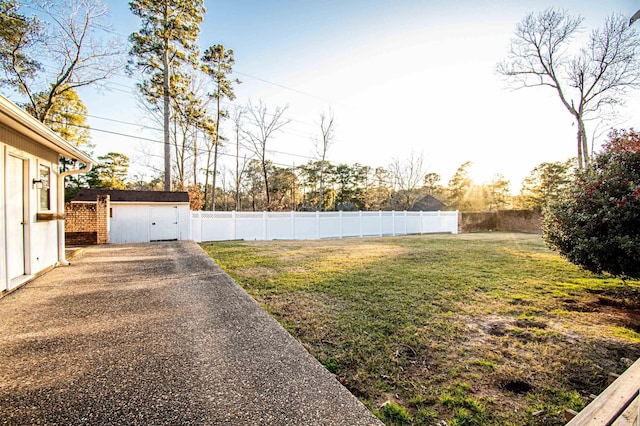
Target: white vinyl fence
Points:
x,y
221,226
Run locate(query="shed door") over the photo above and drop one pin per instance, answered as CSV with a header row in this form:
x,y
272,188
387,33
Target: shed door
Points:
x,y
164,223
15,217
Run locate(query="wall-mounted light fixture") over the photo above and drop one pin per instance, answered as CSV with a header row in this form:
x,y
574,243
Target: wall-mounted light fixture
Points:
x,y
37,184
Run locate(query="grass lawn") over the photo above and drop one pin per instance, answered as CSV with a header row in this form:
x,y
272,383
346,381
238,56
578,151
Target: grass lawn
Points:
x,y
472,329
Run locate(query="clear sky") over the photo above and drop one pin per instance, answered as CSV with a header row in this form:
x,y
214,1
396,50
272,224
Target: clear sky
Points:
x,y
399,75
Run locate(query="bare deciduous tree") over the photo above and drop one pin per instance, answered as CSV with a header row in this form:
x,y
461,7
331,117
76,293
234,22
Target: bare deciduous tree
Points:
x,y
327,130
589,83
74,53
263,126
408,176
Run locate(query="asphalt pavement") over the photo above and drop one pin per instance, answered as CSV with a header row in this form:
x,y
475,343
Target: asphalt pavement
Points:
x,y
156,334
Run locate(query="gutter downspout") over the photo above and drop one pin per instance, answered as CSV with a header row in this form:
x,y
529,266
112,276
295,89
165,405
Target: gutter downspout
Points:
x,y
62,258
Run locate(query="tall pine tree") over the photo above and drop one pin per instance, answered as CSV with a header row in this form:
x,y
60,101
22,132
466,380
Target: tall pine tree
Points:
x,y
166,40
218,62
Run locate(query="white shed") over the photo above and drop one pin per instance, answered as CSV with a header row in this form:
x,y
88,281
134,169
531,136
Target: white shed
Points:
x,y
143,216
31,196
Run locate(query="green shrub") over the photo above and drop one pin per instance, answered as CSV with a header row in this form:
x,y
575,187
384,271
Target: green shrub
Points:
x,y
596,226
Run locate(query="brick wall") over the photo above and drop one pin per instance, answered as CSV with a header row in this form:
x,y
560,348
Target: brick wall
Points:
x,y
81,217
102,219
501,220
87,223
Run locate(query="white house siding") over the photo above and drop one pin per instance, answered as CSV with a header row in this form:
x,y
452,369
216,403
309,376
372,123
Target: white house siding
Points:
x,y
133,222
40,238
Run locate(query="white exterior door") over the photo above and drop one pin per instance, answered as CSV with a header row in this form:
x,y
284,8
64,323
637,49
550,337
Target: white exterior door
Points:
x,y
15,216
164,223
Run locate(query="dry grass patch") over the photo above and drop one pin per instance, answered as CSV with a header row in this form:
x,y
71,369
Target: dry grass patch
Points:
x,y
469,329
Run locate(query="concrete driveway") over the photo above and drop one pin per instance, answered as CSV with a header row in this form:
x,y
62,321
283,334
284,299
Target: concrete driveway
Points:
x,y
156,334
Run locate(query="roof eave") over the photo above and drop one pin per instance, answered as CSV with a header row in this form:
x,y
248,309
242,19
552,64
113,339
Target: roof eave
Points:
x,y
19,120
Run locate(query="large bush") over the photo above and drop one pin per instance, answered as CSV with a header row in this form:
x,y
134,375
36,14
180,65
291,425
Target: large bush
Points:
x,y
597,226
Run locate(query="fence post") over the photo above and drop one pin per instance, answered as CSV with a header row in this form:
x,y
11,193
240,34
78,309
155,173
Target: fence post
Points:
x,y
393,223
192,229
380,214
190,236
234,224
293,225
317,225
421,224
360,217
340,219
439,221
405,222
457,228
264,225
196,227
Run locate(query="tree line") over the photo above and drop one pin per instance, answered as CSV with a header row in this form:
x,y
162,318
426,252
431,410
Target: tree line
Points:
x,y
324,186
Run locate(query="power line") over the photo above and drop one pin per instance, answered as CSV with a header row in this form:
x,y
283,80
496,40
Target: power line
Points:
x,y
122,122
288,131
114,133
229,104
113,83
282,86
198,151
123,88
263,80
291,89
202,151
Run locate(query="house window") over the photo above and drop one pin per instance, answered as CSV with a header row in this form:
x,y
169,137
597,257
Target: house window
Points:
x,y
44,175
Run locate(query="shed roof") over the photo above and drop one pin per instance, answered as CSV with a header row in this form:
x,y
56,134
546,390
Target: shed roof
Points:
x,y
22,122
428,203
133,196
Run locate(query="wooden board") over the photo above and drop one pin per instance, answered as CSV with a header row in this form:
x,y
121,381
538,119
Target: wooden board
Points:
x,y
630,415
613,401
